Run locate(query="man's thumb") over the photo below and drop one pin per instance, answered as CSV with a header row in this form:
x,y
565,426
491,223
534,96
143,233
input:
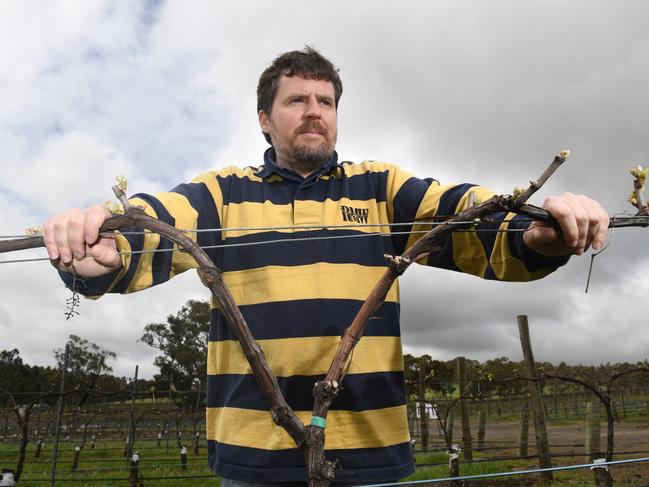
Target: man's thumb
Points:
x,y
105,255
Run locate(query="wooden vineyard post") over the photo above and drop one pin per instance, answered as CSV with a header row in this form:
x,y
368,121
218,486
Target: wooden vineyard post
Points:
x,y
423,414
602,476
616,414
542,447
593,446
130,439
593,431
464,412
8,477
75,458
135,478
59,414
39,448
454,463
482,419
195,442
449,426
183,458
524,433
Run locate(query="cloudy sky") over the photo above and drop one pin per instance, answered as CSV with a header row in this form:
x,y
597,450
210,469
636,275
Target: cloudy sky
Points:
x,y
478,91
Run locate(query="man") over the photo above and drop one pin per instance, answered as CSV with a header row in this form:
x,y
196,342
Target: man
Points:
x,y
300,292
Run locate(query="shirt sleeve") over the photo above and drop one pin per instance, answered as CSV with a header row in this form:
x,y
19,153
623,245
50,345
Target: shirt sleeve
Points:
x,y
494,249
149,259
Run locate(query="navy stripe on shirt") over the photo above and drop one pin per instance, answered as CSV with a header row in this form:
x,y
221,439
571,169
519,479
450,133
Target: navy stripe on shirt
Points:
x,y
136,241
405,204
161,260
361,464
327,317
358,392
530,259
201,200
450,199
488,239
365,186
364,249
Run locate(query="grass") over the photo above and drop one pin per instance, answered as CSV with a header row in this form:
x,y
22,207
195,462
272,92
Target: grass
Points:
x,y
105,466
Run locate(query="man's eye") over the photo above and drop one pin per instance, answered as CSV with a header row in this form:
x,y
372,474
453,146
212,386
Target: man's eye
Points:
x,y
327,103
296,100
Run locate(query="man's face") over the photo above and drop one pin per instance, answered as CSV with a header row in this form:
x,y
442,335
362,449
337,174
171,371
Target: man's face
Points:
x,y
302,124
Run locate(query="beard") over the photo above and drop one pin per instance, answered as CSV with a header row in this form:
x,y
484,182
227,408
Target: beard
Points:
x,y
311,159
306,157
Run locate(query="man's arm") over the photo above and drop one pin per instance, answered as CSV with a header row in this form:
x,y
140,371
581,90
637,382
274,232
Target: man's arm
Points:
x,y
133,260
504,246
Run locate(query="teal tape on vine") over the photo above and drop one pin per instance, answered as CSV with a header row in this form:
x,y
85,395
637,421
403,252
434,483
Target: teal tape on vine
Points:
x,y
318,421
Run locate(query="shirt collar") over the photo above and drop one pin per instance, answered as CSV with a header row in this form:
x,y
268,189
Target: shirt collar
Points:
x,y
270,167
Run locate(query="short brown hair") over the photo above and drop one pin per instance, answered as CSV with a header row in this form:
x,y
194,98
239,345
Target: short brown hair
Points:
x,y
309,64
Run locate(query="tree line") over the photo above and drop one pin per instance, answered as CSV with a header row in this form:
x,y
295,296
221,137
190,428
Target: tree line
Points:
x,y
499,377
182,343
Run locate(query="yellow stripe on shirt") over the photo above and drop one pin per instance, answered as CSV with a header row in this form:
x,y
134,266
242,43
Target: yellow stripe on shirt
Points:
x,y
315,281
255,215
345,429
186,218
307,355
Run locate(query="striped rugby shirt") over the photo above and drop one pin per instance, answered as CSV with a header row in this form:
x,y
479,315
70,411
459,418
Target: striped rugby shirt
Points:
x,y
298,296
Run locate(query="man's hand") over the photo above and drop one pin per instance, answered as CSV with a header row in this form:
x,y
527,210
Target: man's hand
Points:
x,y
73,243
583,223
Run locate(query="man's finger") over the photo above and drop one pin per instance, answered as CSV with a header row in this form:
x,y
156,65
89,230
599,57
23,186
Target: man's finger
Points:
x,y
61,240
581,218
48,239
94,218
565,217
599,221
75,235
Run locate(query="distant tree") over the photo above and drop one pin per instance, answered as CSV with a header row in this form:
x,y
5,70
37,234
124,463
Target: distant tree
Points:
x,y
86,358
439,376
495,378
23,379
11,369
183,343
87,362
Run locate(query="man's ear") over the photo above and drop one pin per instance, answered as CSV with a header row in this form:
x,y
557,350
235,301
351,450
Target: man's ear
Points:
x,y
264,122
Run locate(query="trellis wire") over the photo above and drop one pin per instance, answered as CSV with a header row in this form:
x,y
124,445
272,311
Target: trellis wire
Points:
x,y
248,244
411,482
312,227
509,474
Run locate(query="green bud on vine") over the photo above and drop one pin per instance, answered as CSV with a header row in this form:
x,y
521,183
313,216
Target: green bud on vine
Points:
x,y
113,207
517,192
122,182
34,231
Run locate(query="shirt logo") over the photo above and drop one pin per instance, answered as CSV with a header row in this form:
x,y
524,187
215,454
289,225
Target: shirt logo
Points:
x,y
355,215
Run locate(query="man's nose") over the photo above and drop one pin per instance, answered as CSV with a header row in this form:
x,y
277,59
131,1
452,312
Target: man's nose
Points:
x,y
312,109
